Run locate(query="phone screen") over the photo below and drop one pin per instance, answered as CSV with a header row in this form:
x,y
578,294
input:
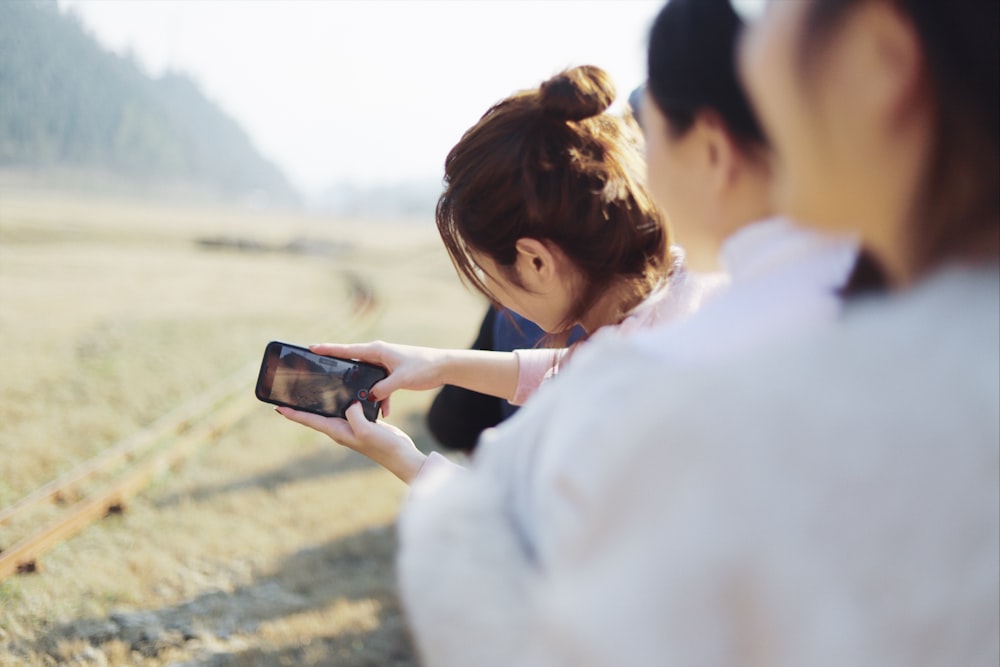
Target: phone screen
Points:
x,y
293,376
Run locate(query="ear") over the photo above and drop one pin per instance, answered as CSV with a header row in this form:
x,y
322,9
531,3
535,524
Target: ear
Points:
x,y
720,150
903,58
886,72
536,264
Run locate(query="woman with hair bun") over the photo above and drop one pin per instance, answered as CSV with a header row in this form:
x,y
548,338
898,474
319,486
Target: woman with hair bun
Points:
x,y
546,213
549,185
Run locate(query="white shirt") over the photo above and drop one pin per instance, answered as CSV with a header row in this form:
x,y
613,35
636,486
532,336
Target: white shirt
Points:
x,y
828,500
782,278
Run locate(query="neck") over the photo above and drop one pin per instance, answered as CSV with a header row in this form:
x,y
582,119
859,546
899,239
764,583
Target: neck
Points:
x,y
886,221
611,308
749,202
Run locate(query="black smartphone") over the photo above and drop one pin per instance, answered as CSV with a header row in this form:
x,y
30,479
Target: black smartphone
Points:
x,y
293,376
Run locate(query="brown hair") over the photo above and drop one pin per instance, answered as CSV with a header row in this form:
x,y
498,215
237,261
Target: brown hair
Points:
x,y
956,212
550,164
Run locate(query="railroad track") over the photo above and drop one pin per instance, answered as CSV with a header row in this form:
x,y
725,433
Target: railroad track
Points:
x,y
132,462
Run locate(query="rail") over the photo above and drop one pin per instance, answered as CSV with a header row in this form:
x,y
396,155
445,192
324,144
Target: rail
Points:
x,y
152,450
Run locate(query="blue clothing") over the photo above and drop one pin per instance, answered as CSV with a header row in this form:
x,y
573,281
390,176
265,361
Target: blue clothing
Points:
x,y
513,332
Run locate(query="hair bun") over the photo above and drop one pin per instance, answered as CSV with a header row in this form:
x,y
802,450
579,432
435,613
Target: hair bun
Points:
x,y
577,93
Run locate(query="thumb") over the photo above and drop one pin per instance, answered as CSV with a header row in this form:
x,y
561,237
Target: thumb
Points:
x,y
382,389
356,417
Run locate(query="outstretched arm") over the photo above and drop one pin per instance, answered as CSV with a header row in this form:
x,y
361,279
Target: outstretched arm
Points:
x,y
420,368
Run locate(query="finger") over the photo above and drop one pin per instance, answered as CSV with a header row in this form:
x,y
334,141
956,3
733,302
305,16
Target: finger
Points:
x,y
356,419
361,351
305,418
383,389
384,407
335,428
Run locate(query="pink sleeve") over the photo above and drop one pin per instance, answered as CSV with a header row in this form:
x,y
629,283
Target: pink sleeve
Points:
x,y
533,367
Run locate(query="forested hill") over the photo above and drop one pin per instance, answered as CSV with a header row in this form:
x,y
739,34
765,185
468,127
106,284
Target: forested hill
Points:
x,y
66,103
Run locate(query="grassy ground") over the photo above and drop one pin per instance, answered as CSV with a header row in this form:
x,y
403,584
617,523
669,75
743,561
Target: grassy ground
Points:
x,y
270,545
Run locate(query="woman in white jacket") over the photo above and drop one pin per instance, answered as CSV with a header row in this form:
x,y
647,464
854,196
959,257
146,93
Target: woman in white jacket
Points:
x,y
824,498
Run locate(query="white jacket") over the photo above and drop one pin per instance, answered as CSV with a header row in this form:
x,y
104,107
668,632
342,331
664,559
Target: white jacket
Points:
x,y
827,499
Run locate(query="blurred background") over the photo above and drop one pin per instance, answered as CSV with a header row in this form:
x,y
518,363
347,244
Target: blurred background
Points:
x,y
181,182
337,105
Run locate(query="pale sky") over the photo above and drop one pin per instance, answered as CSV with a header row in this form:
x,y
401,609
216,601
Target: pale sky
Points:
x,y
369,92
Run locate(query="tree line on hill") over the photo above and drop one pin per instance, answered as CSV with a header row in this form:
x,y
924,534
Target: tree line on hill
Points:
x,y
68,104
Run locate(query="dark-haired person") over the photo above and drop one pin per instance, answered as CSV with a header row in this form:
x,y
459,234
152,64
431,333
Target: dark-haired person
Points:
x,y
830,498
546,213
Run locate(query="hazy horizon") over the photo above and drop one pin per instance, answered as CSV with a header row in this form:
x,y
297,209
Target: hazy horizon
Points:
x,y
370,94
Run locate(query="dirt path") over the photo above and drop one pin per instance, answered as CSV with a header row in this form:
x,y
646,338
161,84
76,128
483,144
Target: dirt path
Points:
x,y
271,545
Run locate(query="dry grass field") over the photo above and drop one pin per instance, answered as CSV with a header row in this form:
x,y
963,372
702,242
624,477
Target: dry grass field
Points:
x,y
269,545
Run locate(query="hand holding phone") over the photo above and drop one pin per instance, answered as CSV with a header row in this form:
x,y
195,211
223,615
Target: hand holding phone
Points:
x,y
295,377
380,441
